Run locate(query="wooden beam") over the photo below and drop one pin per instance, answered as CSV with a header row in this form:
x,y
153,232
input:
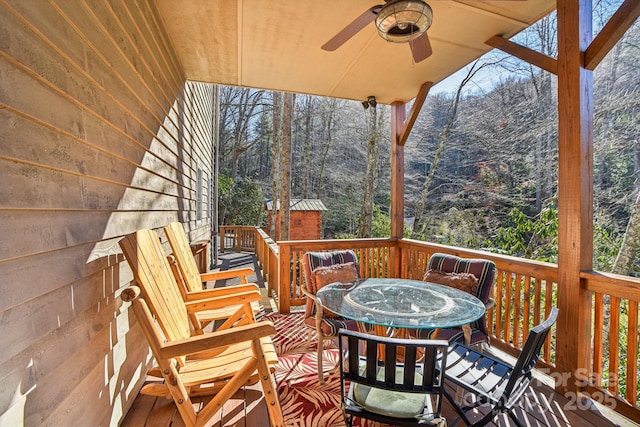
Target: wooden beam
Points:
x,y
529,56
611,33
398,112
415,110
575,192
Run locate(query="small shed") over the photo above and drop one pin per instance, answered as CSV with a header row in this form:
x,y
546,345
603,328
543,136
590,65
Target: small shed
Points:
x,y
305,221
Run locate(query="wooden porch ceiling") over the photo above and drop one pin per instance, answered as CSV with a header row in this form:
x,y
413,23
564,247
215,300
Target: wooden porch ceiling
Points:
x,y
275,45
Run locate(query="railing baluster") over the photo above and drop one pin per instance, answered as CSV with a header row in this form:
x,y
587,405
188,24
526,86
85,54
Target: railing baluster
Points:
x,y
548,303
537,305
517,309
507,307
526,308
598,333
614,343
632,354
499,305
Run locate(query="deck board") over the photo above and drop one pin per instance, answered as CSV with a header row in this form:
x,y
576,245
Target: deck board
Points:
x,y
141,410
163,413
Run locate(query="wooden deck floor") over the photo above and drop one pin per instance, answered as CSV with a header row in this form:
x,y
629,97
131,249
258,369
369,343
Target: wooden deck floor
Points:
x,y
541,406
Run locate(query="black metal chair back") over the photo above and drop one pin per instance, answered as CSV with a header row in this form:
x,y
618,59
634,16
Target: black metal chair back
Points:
x,y
391,380
494,382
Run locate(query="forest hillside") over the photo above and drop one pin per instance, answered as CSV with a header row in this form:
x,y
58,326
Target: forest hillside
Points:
x,y
480,164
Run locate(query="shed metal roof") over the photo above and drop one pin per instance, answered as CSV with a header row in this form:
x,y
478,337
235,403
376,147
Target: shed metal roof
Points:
x,y
299,205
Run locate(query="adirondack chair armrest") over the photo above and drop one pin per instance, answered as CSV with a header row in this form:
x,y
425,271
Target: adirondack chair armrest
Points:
x,y
223,301
242,273
206,342
219,292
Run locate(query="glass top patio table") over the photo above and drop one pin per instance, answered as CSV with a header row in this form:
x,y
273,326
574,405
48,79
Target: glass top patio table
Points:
x,y
401,303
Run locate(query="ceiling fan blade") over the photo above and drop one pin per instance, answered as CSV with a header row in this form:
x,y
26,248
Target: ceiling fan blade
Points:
x,y
352,29
420,48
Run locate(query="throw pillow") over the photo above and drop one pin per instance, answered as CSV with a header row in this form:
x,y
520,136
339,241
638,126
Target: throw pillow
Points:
x,y
323,276
464,281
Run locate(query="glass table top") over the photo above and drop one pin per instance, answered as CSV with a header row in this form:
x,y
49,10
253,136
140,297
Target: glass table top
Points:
x,y
401,303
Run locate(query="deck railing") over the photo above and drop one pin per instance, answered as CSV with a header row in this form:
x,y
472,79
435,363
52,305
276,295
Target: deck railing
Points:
x,y
373,254
615,360
524,293
238,238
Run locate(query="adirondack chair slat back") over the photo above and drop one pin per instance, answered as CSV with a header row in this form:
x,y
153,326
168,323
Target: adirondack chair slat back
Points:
x,y
182,251
152,273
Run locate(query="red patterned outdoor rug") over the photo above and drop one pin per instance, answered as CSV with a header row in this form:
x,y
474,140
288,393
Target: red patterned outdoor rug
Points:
x,y
305,402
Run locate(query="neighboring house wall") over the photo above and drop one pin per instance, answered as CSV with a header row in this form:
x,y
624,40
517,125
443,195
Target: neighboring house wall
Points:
x,y
100,136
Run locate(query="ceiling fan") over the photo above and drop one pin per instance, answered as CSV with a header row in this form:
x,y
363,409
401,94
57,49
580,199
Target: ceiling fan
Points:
x,y
397,21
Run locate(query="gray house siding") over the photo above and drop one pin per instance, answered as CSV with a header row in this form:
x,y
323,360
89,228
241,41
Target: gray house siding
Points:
x,y
101,135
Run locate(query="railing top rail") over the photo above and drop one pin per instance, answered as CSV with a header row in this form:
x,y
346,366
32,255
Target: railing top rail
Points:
x,y
503,262
262,235
478,253
612,284
307,245
600,282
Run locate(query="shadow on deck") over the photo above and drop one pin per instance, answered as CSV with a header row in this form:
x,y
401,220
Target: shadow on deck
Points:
x,y
230,260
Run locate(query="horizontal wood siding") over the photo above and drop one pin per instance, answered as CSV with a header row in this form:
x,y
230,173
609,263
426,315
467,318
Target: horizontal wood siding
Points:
x,y
101,135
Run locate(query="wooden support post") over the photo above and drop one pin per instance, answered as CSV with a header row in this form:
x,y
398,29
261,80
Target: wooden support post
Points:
x,y
400,129
575,190
284,279
398,114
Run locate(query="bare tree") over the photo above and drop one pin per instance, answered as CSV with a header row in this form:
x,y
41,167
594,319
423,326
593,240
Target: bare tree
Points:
x,y
277,127
239,108
628,252
285,167
308,127
366,213
418,224
330,115
620,112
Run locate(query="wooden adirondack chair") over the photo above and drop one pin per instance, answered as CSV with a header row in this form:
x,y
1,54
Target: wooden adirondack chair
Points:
x,y
186,272
219,362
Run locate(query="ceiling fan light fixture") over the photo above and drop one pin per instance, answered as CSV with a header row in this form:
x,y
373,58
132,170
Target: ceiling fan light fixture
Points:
x,y
401,21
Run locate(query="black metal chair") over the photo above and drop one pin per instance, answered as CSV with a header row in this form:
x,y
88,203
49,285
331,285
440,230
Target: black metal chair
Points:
x,y
391,380
495,383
